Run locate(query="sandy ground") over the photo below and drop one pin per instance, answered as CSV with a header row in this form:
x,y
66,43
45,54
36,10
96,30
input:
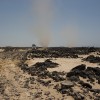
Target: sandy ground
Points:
x,y
1,50
16,84
65,64
16,78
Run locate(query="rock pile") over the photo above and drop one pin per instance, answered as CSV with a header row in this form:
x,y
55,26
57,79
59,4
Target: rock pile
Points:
x,y
44,82
78,83
56,76
48,64
81,71
63,52
2,87
40,68
76,78
76,72
49,53
92,59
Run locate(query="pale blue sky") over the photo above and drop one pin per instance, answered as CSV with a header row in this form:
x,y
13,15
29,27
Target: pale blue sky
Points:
x,y
17,21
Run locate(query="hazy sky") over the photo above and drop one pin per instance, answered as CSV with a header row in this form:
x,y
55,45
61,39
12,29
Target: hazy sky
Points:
x,y
50,22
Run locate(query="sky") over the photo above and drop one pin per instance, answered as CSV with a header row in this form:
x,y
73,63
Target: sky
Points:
x,y
50,23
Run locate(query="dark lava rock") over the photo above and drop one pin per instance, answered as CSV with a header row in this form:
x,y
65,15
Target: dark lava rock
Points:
x,y
79,67
78,96
26,85
2,88
23,66
37,71
91,73
95,70
73,56
37,95
56,76
74,78
83,74
57,52
32,80
91,49
97,98
73,73
68,91
92,59
95,90
47,64
65,91
44,82
40,69
77,71
85,85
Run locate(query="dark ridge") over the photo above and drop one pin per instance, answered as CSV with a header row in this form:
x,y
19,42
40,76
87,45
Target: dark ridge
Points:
x,y
63,52
92,59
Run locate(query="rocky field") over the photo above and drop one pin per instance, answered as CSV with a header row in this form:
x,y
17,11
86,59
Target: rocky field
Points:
x,y
50,73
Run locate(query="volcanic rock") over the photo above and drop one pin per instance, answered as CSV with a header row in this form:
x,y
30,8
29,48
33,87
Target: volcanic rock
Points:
x,y
78,96
79,67
92,59
44,82
85,85
74,78
47,64
56,76
37,95
77,71
1,88
95,90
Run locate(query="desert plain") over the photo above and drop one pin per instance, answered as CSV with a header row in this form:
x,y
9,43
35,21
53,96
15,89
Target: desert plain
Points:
x,y
50,73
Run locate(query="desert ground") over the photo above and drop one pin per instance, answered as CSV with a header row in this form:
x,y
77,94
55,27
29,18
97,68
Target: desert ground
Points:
x,y
42,74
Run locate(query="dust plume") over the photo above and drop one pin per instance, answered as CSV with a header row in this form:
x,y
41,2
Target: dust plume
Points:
x,y
70,33
43,13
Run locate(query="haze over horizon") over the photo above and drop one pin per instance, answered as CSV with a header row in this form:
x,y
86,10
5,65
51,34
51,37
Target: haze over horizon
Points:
x,y
50,23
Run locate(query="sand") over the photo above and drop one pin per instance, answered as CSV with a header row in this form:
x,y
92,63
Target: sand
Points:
x,y
65,64
16,79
